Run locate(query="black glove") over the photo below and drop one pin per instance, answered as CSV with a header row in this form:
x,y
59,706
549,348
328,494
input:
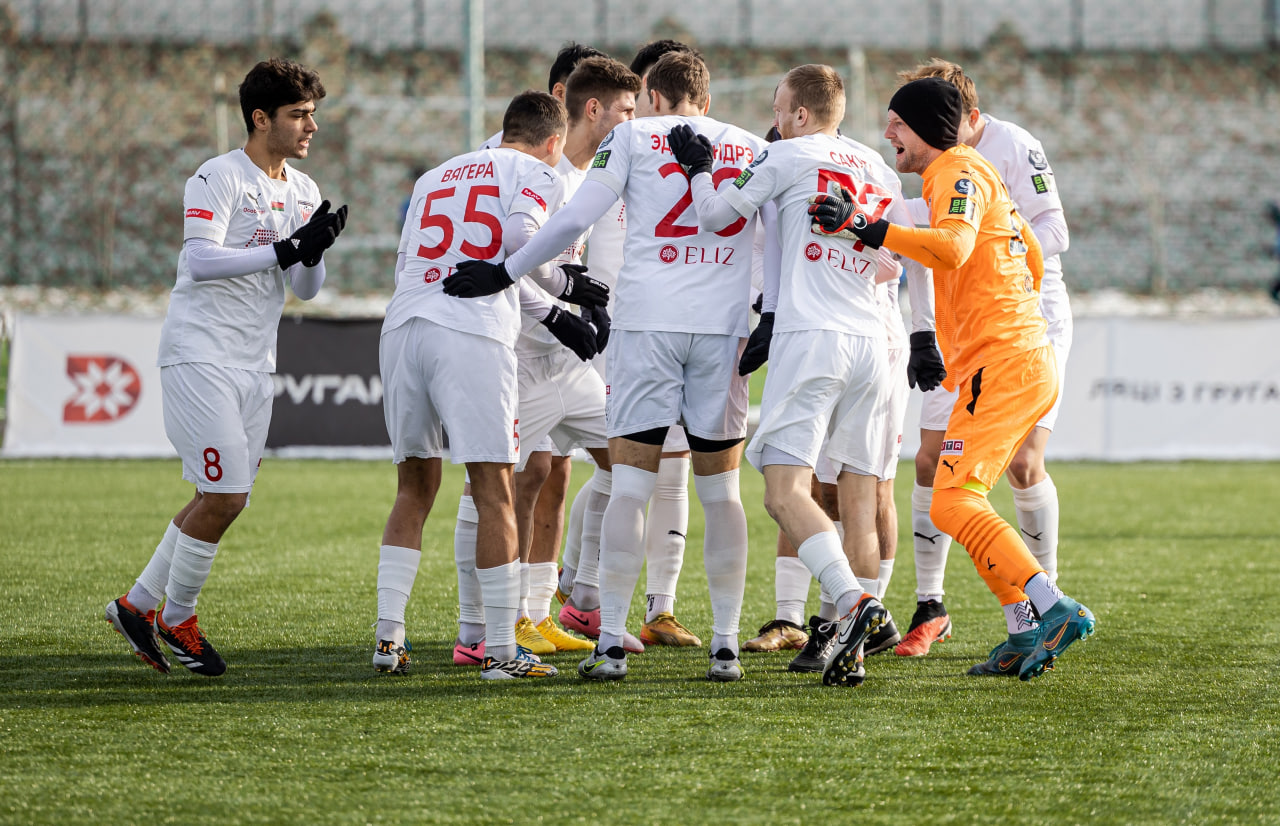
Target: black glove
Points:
x,y
338,220
756,352
598,317
472,279
581,288
692,150
310,240
572,332
838,215
757,306
924,365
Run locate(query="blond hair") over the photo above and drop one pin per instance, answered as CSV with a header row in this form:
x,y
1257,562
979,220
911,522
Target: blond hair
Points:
x,y
819,89
948,71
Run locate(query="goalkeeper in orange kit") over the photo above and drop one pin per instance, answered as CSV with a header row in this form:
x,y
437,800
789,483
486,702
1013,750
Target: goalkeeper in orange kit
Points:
x,y
987,269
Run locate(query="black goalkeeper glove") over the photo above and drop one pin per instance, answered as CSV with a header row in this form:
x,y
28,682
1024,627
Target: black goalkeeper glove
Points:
x,y
572,332
838,215
581,288
692,150
598,317
924,365
472,279
338,221
310,240
756,352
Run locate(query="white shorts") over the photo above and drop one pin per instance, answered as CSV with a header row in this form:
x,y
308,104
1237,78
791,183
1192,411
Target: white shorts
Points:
x,y
561,405
895,415
435,378
659,379
825,386
677,441
217,419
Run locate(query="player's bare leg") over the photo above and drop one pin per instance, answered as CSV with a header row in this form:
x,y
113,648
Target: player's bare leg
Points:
x,y
529,485
417,483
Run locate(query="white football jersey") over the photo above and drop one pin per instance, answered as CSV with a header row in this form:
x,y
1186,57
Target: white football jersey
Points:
x,y
232,321
675,277
1020,160
828,283
535,339
456,213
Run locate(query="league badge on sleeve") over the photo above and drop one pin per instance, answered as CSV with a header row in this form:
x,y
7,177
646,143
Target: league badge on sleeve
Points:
x,y
1037,159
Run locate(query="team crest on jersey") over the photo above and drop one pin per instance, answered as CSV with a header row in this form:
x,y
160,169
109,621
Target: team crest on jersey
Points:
x,y
1041,183
964,186
106,388
1037,159
744,176
307,208
601,159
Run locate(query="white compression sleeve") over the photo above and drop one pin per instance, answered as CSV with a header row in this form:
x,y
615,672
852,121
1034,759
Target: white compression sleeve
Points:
x,y
1050,228
714,212
210,261
592,200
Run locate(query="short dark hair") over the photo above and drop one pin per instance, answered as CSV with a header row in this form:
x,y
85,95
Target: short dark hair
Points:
x,y
680,76
532,117
274,83
567,60
602,78
650,52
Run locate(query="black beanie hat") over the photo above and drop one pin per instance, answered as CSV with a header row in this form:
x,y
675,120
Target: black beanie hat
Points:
x,y
932,108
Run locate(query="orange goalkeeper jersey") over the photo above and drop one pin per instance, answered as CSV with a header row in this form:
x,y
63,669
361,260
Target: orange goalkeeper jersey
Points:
x,y
986,262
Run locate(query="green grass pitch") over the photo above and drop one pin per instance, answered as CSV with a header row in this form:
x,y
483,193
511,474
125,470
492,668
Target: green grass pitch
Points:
x,y
1168,715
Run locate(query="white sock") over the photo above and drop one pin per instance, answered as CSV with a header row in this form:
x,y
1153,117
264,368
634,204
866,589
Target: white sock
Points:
x,y
542,587
1042,593
148,590
470,602
790,588
397,570
592,519
869,585
192,561
825,559
1018,617
931,545
886,574
729,641
724,549
501,589
523,610
622,555
573,531
1037,508
666,526
657,604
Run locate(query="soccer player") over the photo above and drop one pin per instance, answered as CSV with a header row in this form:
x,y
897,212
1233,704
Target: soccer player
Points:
x,y
669,360
667,518
823,328
987,269
1021,162
560,397
252,222
547,467
482,204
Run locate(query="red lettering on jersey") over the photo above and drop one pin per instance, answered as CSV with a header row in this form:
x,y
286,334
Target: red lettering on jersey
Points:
x,y
708,255
848,160
200,213
535,196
